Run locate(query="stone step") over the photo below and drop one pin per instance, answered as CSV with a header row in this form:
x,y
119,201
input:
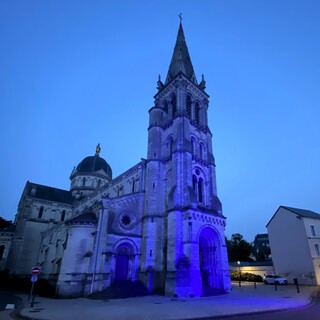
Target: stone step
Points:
x,y
121,290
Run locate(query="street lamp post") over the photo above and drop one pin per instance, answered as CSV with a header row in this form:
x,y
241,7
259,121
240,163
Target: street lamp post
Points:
x,y
238,262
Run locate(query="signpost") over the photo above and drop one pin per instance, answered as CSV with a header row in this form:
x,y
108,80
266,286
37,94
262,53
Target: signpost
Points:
x,y
35,272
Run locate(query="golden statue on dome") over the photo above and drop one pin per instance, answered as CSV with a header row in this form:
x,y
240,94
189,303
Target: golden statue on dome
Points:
x,y
98,149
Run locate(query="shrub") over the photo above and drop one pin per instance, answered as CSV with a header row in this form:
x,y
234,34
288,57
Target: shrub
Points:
x,y
245,276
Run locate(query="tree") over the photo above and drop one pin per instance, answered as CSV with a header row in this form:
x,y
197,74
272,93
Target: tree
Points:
x,y
238,248
4,223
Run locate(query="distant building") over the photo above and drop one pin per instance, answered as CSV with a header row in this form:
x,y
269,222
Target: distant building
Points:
x,y
294,236
159,222
261,247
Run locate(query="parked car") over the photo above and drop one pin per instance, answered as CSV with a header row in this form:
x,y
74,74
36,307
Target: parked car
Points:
x,y
274,279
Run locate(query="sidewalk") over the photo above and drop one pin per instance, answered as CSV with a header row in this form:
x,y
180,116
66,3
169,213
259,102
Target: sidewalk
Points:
x,y
246,299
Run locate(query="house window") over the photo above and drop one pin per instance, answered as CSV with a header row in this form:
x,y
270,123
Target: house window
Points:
x,y
313,231
316,248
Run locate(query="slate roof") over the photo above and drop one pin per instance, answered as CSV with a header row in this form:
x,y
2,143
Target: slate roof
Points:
x,y
303,213
84,217
48,193
180,61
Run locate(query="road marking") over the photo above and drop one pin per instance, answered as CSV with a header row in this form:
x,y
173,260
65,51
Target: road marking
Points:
x,y
10,306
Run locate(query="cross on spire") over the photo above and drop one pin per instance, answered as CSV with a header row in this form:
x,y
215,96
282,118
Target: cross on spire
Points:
x,y
180,17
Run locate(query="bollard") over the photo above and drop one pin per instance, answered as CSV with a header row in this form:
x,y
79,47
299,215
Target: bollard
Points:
x,y
295,281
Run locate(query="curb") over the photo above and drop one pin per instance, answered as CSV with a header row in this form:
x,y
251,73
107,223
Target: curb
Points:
x,y
235,315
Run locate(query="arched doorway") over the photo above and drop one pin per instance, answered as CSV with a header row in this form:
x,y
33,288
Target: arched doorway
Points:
x,y
209,259
122,262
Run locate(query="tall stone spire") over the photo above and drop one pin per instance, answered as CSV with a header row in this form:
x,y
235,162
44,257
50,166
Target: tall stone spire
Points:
x,y
180,61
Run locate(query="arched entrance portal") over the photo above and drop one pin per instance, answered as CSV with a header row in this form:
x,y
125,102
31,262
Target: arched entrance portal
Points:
x,y
122,262
209,248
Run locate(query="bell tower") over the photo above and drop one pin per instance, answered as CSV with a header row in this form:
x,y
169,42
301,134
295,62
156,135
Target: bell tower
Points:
x,y
181,193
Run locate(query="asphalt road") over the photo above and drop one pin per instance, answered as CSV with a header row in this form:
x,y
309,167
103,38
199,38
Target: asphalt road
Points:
x,y
311,312
7,298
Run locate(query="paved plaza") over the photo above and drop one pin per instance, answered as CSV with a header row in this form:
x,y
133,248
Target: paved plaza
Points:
x,y
244,299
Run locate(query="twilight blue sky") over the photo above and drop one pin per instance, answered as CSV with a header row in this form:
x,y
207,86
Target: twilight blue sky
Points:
x,y
75,73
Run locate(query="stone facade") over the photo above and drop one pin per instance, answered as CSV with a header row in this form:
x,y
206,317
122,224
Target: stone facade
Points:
x,y
159,222
5,243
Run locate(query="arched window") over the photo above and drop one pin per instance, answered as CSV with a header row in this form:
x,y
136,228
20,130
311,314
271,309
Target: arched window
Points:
x,y
171,147
1,251
198,186
192,146
200,190
201,150
135,185
120,191
40,213
188,106
63,215
174,105
197,113
165,106
194,183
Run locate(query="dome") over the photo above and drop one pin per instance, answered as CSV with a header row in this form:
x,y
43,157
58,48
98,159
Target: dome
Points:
x,y
93,164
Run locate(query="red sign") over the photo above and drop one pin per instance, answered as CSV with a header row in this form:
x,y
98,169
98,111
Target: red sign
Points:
x,y
35,270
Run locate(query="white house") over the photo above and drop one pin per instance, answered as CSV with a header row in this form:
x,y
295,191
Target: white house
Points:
x,y
294,236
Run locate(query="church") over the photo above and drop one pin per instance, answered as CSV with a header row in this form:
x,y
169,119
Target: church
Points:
x,y
160,222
